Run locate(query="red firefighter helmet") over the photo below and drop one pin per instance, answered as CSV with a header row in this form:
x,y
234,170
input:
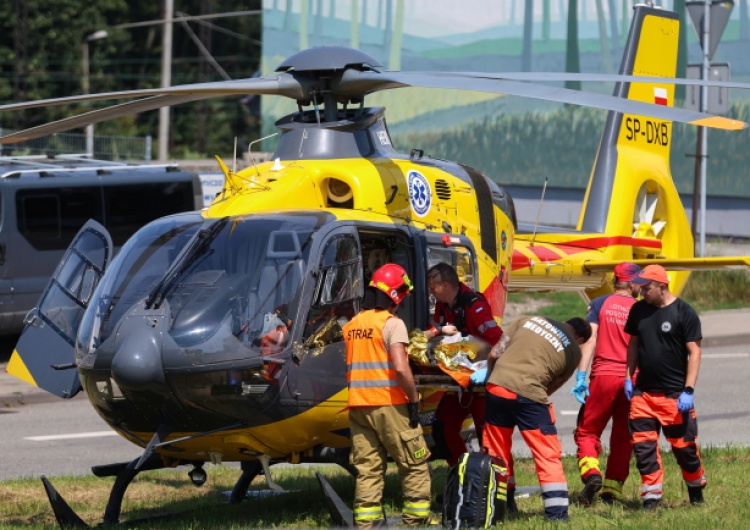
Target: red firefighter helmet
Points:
x,y
393,281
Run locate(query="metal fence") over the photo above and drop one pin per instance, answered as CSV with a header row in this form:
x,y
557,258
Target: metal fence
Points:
x,y
105,147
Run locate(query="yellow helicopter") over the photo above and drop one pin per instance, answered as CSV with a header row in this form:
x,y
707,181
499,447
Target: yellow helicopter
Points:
x,y
216,335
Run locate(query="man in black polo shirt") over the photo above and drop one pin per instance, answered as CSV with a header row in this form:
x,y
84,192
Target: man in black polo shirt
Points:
x,y
665,348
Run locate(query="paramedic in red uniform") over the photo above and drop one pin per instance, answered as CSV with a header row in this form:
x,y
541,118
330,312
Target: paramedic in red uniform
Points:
x,y
606,400
383,404
665,347
535,357
458,309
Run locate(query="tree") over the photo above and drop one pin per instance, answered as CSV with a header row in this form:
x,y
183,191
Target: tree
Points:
x,y
572,56
603,41
394,61
42,55
613,25
528,26
354,25
679,7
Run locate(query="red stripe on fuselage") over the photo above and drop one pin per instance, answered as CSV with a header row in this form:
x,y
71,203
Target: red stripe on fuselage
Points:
x,y
568,248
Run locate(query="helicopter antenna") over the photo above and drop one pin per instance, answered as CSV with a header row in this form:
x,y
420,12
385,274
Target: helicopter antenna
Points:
x,y
234,161
250,151
539,211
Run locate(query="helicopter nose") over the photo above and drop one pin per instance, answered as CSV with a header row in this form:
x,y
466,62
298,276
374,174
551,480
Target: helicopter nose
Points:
x,y
137,362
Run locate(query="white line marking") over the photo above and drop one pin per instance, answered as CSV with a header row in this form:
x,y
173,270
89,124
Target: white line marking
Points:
x,y
568,413
96,434
725,355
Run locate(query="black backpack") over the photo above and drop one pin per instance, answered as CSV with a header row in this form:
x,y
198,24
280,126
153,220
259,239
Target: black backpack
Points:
x,y
476,492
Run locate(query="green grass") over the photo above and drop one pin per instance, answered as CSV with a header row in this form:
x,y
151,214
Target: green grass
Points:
x,y
711,290
705,291
557,305
23,503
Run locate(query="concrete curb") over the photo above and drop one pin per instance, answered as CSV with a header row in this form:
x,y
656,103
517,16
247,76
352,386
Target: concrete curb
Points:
x,y
727,340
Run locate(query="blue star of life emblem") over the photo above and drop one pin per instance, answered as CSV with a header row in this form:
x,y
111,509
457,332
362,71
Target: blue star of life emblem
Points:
x,y
420,193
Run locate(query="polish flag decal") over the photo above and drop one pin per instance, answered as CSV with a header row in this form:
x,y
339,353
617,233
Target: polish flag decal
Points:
x,y
660,96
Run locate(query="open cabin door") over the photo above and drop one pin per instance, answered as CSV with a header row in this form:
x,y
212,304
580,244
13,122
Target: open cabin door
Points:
x,y
45,353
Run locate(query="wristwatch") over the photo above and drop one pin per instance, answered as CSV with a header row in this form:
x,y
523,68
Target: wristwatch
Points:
x,y
688,390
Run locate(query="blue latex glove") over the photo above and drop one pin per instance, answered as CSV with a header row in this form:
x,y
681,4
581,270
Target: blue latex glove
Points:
x,y
628,389
581,390
478,377
685,402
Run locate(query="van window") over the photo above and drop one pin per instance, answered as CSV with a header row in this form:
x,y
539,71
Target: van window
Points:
x,y
50,218
127,207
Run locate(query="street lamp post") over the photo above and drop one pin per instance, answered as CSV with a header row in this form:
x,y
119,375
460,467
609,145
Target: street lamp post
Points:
x,y
97,35
166,78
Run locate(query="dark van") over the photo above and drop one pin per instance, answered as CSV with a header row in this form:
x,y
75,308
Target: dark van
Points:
x,y
45,201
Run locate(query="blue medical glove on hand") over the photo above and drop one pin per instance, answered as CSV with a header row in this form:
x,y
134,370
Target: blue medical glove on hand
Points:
x,y
478,377
629,389
685,402
581,390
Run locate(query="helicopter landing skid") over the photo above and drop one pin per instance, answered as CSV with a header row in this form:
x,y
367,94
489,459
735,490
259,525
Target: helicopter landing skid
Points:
x,y
124,473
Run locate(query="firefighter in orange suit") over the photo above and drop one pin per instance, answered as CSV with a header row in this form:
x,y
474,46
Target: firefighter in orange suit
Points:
x,y
533,359
383,404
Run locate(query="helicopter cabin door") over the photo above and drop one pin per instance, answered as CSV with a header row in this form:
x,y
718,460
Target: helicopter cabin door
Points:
x,y
342,269
45,353
335,299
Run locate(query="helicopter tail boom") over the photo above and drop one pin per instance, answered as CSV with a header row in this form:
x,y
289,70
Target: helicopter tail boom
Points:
x,y
631,209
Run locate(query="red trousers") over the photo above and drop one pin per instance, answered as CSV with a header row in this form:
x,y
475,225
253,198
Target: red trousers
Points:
x,y
651,412
607,401
451,412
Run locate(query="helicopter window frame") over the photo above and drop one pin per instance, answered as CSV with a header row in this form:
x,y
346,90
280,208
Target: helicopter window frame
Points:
x,y
331,266
463,260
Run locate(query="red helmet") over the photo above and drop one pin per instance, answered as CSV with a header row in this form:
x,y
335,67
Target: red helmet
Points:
x,y
393,281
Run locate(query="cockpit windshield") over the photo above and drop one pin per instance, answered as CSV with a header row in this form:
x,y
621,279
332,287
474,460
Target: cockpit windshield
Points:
x,y
244,279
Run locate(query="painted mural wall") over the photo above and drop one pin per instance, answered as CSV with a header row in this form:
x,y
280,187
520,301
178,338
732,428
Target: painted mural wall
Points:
x,y
512,140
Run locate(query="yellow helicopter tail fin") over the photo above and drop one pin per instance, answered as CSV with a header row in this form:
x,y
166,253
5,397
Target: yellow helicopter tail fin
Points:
x,y
631,197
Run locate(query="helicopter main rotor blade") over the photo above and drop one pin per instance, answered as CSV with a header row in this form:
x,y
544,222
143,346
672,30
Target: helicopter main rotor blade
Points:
x,y
364,82
96,116
594,77
280,84
353,83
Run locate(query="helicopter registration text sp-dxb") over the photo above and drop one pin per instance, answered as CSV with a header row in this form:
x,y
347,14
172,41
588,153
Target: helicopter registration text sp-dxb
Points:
x,y
216,335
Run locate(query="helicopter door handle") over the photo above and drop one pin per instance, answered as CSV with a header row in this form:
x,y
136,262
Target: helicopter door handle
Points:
x,y
394,190
67,366
31,317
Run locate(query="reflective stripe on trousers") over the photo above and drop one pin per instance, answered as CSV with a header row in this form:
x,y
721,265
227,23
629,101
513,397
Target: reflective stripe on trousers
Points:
x,y
376,433
649,414
607,401
612,487
535,421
